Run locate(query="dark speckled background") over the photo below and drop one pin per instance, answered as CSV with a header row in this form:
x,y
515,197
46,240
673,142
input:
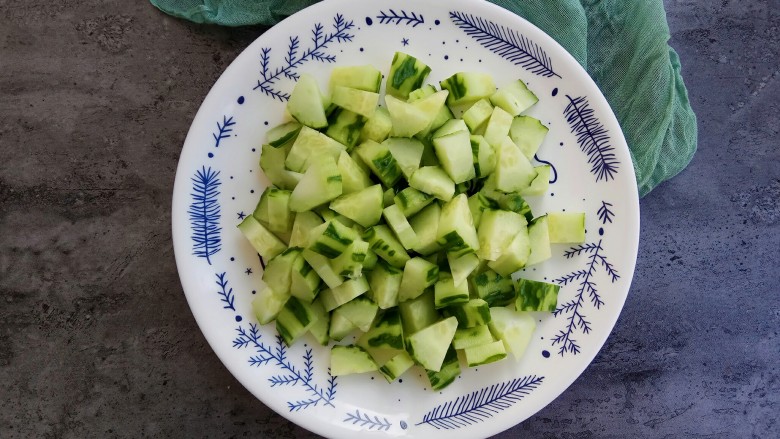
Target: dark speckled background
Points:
x,y
96,339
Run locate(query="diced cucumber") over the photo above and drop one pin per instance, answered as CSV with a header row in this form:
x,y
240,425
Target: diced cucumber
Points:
x,y
295,319
476,117
263,241
357,101
538,234
433,181
514,97
483,155
541,183
516,203
446,293
419,274
468,337
418,313
340,326
277,271
346,360
353,178
272,163
304,281
365,77
456,232
411,201
473,313
451,126
408,119
350,262
333,298
484,354
478,204
536,296
361,311
306,104
396,366
267,304
359,161
566,227
407,73
514,329
283,134
388,197
280,219
426,226
319,330
496,230
320,184
515,256
462,266
454,153
345,126
450,369
378,126
381,162
322,266
403,230
528,134
513,171
434,108
364,207
385,282
309,147
429,345
386,332
407,152
494,289
385,245
331,238
468,87
498,126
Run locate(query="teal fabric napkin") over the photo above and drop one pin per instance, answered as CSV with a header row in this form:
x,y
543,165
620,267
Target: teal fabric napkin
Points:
x,y
623,44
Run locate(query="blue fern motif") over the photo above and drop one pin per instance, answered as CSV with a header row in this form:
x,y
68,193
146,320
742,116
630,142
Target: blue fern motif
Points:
x,y
592,137
205,213
228,298
320,40
400,17
506,43
367,421
554,176
605,215
223,130
576,320
292,375
481,404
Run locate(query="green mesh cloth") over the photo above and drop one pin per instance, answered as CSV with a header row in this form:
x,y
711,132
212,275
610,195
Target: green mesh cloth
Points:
x,y
621,43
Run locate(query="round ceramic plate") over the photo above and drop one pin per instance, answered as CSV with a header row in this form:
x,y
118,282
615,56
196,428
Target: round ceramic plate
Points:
x,y
218,182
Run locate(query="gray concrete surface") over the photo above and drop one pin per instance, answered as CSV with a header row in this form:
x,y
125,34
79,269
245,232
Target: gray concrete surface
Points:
x,y
96,339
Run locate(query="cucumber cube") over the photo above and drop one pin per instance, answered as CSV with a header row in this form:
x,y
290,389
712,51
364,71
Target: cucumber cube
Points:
x,y
265,243
396,366
467,88
319,330
357,101
277,271
498,126
418,313
361,311
350,262
385,245
411,201
450,369
407,73
365,77
320,184
426,227
477,116
446,293
322,266
306,104
536,296
483,155
380,161
473,313
385,282
539,236
331,238
429,346
403,230
456,231
433,180
468,337
419,274
513,170
283,134
309,147
484,354
462,266
407,152
541,183
267,304
494,289
514,329
304,281
386,332
295,319
514,98
345,126
528,134
364,207
346,360
378,126
515,256
335,297
566,227
455,156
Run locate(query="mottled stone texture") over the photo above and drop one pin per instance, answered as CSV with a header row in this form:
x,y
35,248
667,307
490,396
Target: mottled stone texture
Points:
x,y
96,339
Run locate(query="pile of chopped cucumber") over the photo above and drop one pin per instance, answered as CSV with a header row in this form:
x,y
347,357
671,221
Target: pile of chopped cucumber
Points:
x,y
402,224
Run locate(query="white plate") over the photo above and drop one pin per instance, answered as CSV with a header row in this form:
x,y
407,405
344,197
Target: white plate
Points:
x,y
218,181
